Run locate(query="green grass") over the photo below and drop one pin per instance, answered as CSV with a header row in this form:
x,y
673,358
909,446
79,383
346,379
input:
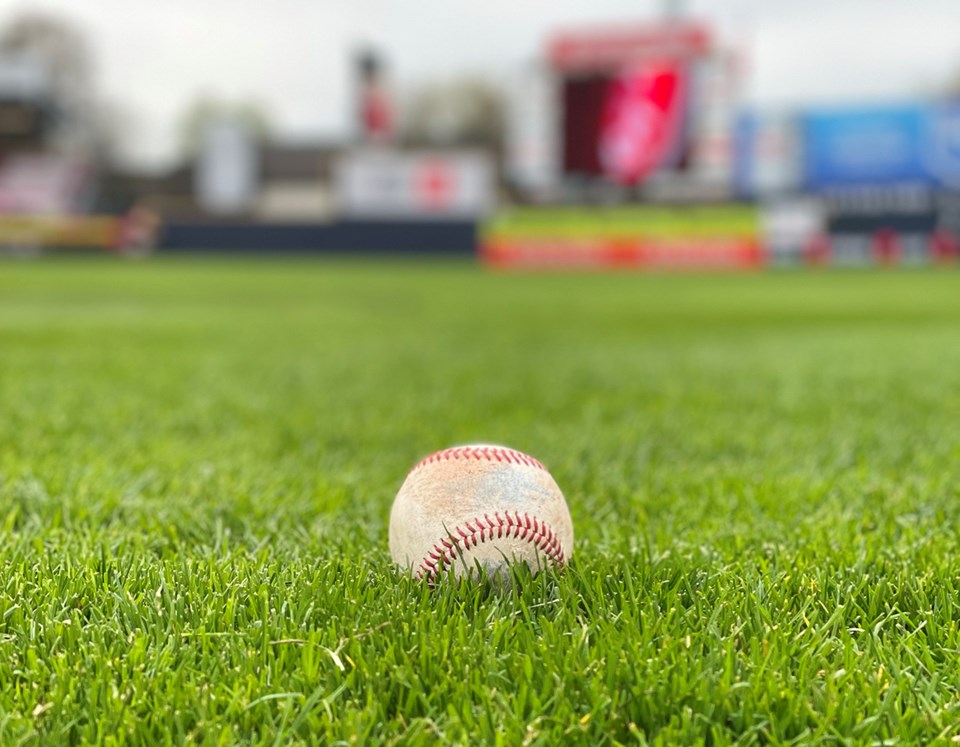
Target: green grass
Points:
x,y
197,461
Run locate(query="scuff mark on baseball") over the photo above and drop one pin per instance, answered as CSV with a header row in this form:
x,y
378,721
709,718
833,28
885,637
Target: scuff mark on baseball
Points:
x,y
479,506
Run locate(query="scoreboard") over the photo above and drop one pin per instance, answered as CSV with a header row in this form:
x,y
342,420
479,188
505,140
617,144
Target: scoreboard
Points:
x,y
624,105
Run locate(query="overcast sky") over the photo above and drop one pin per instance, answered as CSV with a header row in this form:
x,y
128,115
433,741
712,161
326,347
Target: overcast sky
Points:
x,y
292,56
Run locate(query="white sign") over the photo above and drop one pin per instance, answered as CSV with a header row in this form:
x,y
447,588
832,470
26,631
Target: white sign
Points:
x,y
533,130
227,175
382,183
715,102
790,225
42,184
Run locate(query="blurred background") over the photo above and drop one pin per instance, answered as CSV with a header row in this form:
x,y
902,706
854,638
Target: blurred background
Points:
x,y
723,134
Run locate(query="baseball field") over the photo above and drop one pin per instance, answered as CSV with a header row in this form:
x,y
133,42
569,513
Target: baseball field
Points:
x,y
198,458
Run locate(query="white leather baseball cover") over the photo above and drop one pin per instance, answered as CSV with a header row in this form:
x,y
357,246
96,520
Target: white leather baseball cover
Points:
x,y
479,505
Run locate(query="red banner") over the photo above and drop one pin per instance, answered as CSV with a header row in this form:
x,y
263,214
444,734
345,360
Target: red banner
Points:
x,y
603,49
649,253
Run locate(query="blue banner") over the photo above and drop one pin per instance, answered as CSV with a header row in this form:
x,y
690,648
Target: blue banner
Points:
x,y
941,144
882,146
864,147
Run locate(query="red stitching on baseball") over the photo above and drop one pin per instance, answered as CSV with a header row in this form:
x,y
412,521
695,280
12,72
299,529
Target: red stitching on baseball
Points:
x,y
446,551
486,454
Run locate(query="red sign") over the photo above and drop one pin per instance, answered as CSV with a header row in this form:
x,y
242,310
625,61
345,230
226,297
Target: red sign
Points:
x,y
435,185
604,49
718,253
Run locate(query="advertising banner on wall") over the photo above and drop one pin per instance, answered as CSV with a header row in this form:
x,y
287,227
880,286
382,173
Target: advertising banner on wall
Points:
x,y
941,144
882,146
706,237
385,183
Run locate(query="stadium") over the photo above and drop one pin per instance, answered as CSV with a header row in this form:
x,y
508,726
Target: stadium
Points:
x,y
688,355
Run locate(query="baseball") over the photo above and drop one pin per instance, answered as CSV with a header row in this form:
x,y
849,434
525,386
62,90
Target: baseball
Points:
x,y
479,506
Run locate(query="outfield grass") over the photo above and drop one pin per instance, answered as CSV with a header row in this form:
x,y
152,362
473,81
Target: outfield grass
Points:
x,y
197,461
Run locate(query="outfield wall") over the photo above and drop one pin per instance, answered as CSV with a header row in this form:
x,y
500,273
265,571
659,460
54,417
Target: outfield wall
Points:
x,y
411,237
722,237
